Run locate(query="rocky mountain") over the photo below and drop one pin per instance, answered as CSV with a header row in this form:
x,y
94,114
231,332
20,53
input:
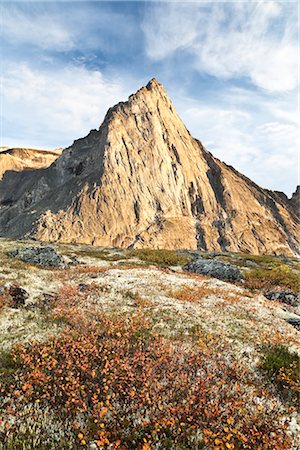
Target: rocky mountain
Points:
x,y
142,180
19,159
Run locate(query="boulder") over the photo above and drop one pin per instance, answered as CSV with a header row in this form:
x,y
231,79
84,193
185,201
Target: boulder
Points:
x,y
295,323
288,297
214,268
18,296
42,256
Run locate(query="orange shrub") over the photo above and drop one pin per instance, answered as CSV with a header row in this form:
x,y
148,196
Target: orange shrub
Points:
x,y
124,387
194,294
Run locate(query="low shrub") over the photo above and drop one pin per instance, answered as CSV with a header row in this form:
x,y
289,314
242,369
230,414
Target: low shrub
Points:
x,y
123,387
283,368
281,276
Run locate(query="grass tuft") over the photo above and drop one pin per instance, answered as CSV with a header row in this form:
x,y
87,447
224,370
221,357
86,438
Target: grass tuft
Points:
x,y
163,258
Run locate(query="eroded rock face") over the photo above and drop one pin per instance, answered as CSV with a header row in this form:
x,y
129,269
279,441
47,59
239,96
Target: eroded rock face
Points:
x,y
141,180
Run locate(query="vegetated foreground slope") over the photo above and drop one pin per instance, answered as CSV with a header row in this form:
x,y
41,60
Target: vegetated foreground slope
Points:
x,y
130,355
19,159
142,180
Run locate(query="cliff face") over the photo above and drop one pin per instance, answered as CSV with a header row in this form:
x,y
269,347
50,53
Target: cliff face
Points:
x,y
142,180
19,159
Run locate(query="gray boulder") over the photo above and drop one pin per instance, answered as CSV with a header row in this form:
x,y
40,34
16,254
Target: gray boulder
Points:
x,y
295,323
42,256
288,297
214,268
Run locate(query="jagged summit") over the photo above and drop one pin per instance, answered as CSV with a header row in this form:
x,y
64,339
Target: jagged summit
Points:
x,y
152,90
142,180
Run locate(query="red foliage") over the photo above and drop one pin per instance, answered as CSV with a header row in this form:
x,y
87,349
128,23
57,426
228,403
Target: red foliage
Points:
x,y
135,389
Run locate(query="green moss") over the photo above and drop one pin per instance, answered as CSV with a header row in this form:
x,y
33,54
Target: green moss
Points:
x,y
9,364
281,276
282,367
163,258
97,254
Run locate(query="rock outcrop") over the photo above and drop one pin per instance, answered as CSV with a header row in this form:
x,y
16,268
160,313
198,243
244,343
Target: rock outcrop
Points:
x,y
142,180
214,268
42,256
19,159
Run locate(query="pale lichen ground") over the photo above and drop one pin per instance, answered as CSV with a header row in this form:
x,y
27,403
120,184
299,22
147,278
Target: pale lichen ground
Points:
x,y
244,318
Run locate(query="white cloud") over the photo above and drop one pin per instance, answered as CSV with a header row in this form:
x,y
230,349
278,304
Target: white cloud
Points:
x,y
262,145
36,26
73,26
53,108
229,40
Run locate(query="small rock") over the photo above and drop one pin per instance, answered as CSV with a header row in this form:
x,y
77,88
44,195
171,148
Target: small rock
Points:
x,y
288,297
18,296
248,263
295,323
83,287
42,256
48,300
214,268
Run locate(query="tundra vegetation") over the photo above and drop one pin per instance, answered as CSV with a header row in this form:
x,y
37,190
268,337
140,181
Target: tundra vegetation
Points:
x,y
113,354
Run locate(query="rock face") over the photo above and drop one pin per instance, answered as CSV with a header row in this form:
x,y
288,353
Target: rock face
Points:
x,y
142,180
19,159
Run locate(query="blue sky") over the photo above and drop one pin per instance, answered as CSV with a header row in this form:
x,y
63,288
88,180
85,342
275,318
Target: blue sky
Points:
x,y
231,69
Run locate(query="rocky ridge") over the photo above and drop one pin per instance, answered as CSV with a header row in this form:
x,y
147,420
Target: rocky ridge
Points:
x,y
142,180
19,159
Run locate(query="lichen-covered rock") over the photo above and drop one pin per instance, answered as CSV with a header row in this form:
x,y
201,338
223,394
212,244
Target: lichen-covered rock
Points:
x,y
288,297
42,256
295,323
214,268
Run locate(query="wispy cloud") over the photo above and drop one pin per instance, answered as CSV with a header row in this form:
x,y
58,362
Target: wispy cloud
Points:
x,y
263,145
51,109
36,26
229,40
79,26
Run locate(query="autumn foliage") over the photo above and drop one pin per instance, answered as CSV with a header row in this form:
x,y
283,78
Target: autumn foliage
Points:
x,y
124,387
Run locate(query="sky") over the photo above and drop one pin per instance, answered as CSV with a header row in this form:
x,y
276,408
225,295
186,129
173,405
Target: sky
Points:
x,y
231,69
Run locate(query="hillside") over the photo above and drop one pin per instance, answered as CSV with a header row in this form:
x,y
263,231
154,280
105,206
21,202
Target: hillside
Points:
x,y
19,159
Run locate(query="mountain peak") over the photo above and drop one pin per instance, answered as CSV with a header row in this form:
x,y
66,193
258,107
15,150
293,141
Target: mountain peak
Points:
x,y
152,87
145,98
153,84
